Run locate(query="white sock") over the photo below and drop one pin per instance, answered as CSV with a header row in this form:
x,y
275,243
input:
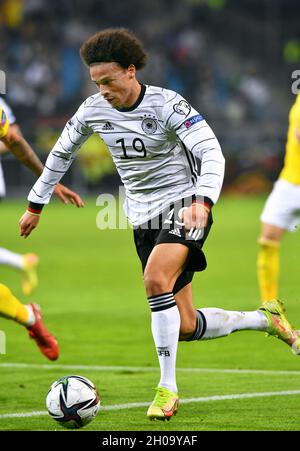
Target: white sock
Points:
x,y
31,317
165,330
220,323
10,258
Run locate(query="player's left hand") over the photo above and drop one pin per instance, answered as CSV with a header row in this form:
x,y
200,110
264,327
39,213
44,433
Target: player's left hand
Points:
x,y
66,196
195,216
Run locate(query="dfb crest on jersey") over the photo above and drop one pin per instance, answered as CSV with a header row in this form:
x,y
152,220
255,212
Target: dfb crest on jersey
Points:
x,y
149,125
183,107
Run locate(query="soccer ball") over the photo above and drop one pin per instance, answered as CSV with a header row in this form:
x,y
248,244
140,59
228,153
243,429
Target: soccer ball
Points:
x,y
73,401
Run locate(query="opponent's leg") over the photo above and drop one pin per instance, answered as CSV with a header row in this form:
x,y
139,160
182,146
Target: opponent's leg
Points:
x,y
12,308
29,268
9,258
27,263
30,317
268,261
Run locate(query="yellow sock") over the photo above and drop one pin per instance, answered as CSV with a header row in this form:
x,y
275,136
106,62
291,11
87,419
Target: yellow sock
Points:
x,y
11,307
268,268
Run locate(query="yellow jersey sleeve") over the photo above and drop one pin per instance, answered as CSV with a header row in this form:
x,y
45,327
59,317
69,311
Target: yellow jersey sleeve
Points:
x,y
291,168
4,124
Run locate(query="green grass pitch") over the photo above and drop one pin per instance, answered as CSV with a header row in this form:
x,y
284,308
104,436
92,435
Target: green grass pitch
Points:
x,y
93,299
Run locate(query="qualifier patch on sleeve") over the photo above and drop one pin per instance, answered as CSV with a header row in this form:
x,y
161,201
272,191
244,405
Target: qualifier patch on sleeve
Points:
x,y
193,120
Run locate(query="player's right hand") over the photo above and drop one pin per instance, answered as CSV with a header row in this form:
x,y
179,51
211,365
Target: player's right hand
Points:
x,y
195,216
27,223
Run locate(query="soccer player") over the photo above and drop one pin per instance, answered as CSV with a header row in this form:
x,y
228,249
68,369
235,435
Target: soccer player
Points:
x,y
29,316
26,263
155,136
12,141
10,307
281,212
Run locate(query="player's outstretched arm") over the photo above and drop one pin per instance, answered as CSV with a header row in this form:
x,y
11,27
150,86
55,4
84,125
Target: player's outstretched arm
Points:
x,y
24,153
3,148
12,140
58,162
21,149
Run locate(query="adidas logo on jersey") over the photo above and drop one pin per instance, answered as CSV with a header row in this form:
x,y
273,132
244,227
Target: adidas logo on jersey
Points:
x,y
107,126
175,232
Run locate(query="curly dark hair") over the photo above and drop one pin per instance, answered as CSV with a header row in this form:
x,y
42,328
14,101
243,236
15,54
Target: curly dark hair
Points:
x,y
114,45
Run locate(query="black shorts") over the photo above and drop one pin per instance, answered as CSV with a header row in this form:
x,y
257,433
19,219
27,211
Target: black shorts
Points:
x,y
168,228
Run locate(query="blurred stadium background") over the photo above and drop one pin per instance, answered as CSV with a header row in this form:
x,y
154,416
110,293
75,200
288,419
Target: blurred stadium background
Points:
x,y
231,59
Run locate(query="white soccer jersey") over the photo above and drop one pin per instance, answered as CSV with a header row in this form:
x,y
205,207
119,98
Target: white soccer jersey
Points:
x,y
153,145
11,118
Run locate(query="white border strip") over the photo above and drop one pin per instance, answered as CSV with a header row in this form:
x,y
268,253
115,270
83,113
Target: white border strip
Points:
x,y
145,369
182,401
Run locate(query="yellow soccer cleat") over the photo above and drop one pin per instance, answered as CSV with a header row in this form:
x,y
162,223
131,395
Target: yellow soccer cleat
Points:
x,y
30,278
164,405
279,326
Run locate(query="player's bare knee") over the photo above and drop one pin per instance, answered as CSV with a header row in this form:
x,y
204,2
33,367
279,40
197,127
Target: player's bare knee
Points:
x,y
155,283
270,235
